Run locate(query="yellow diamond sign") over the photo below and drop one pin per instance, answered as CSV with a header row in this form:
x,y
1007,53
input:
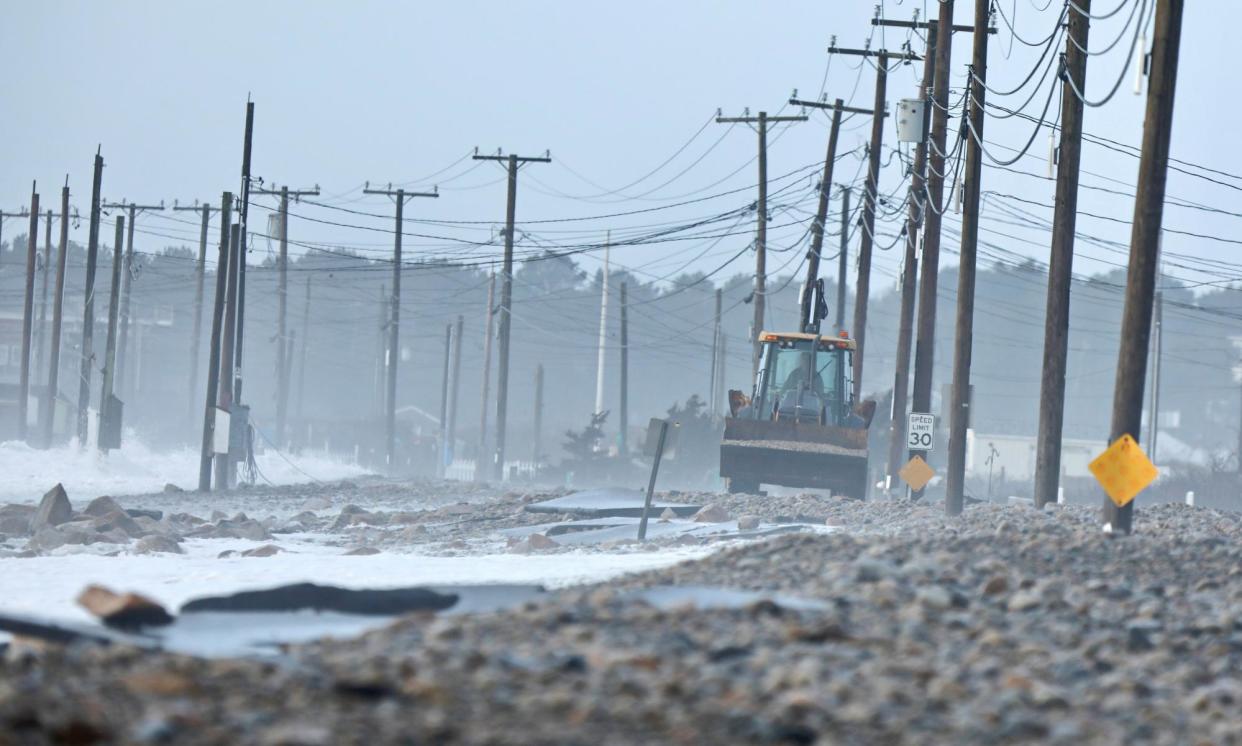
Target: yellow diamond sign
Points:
x,y
1123,470
917,473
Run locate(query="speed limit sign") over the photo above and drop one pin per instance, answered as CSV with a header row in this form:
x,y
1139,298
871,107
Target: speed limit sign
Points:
x,y
919,431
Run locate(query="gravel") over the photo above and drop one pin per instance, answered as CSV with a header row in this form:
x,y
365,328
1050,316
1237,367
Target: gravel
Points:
x,y
1006,625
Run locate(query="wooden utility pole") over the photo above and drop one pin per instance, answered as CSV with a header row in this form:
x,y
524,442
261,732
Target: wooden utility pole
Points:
x,y
444,397
925,336
602,348
399,196
282,302
107,399
862,294
623,422
959,407
1145,239
32,248
1061,261
47,415
487,375
243,223
843,254
537,442
714,380
40,337
226,397
909,277
223,273
807,321
200,271
452,413
761,218
127,281
88,314
506,301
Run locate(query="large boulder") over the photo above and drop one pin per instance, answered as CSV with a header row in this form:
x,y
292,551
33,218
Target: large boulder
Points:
x,y
102,506
118,520
54,509
15,519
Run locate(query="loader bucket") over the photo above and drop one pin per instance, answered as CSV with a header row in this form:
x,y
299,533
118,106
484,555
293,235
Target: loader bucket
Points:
x,y
792,454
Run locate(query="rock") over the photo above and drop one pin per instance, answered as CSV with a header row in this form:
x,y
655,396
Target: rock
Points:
x,y
157,544
54,509
995,585
123,611
170,487
871,570
15,519
102,506
47,539
119,521
227,553
934,597
267,550
316,503
539,541
361,552
217,516
748,523
350,509
154,515
247,529
667,515
711,514
1024,600
296,734
413,533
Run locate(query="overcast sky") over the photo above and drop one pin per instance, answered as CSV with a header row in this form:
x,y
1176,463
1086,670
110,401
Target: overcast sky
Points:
x,y
388,91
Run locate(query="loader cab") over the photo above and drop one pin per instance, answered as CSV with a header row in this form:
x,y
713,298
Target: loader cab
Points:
x,y
804,378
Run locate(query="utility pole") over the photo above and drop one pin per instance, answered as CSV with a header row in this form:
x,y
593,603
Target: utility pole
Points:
x,y
243,251
41,333
959,408
48,414
1061,261
127,280
88,314
761,217
226,395
603,331
925,337
200,271
506,301
623,422
487,375
452,416
537,444
909,276
808,323
843,265
444,397
32,247
714,381
223,273
107,399
399,196
282,301
1145,239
